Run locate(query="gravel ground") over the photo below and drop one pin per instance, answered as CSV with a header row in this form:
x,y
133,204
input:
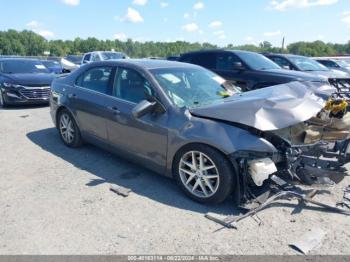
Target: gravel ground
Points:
x,y
56,200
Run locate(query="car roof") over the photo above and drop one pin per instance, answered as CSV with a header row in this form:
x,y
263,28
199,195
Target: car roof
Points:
x,y
218,51
118,52
325,59
147,63
283,55
19,59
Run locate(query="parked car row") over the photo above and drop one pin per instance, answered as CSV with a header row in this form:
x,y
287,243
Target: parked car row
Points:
x,y
335,64
190,120
247,70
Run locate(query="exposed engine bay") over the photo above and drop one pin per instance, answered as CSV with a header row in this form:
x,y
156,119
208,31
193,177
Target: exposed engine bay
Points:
x,y
313,152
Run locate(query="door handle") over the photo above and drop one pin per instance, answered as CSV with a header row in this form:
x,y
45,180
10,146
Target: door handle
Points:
x,y
115,110
72,96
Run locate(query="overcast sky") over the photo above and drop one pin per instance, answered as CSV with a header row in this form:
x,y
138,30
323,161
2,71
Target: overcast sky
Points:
x,y
215,21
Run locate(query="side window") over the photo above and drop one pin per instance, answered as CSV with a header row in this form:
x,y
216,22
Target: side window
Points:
x,y
95,58
129,85
206,60
225,61
282,62
96,79
87,57
329,64
186,59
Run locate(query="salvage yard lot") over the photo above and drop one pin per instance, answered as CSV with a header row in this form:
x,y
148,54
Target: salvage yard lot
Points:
x,y
56,200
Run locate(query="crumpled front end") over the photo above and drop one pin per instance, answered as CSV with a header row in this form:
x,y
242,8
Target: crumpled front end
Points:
x,y
310,135
311,152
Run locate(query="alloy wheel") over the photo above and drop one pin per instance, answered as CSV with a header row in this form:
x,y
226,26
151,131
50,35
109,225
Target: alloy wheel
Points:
x,y
199,174
67,128
1,99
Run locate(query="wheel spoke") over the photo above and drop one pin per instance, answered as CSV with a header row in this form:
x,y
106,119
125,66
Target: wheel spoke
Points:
x,y
206,168
211,176
188,172
203,188
201,162
208,183
194,162
196,184
190,178
188,164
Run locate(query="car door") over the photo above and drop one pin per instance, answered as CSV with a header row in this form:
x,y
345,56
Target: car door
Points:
x,y
144,139
224,66
88,101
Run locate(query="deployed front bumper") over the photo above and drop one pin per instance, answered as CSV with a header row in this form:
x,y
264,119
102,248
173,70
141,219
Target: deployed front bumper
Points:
x,y
320,163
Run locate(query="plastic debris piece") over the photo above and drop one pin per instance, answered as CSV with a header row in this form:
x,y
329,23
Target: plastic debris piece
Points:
x,y
122,191
308,241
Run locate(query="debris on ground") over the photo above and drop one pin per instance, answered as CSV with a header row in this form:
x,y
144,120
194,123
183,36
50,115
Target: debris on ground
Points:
x,y
281,190
24,116
122,191
346,199
308,241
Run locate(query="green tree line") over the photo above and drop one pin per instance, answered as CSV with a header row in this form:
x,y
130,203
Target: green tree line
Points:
x,y
28,43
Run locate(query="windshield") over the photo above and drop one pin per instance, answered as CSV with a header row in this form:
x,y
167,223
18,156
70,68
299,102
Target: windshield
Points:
x,y
22,67
51,63
257,61
112,55
74,59
343,63
191,87
307,64
346,60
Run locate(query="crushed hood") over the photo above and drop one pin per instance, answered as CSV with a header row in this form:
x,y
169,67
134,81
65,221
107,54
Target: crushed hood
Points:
x,y
267,109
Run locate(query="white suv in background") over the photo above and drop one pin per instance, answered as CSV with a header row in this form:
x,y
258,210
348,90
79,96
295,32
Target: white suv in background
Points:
x,y
102,56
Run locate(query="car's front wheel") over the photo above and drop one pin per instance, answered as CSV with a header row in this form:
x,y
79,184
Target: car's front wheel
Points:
x,y
69,130
204,174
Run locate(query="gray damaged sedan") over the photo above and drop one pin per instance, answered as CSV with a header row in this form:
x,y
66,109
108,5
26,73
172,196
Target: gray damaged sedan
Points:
x,y
185,122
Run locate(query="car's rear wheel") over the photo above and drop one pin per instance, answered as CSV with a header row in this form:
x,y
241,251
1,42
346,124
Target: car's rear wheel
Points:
x,y
69,130
2,100
204,174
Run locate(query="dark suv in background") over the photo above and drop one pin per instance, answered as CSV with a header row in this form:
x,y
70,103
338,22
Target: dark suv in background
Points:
x,y
247,70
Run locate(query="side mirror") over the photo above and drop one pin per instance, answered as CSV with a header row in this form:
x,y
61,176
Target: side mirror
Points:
x,y
238,66
143,108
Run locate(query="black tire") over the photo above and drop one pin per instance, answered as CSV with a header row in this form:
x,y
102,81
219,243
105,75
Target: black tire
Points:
x,y
224,167
76,141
